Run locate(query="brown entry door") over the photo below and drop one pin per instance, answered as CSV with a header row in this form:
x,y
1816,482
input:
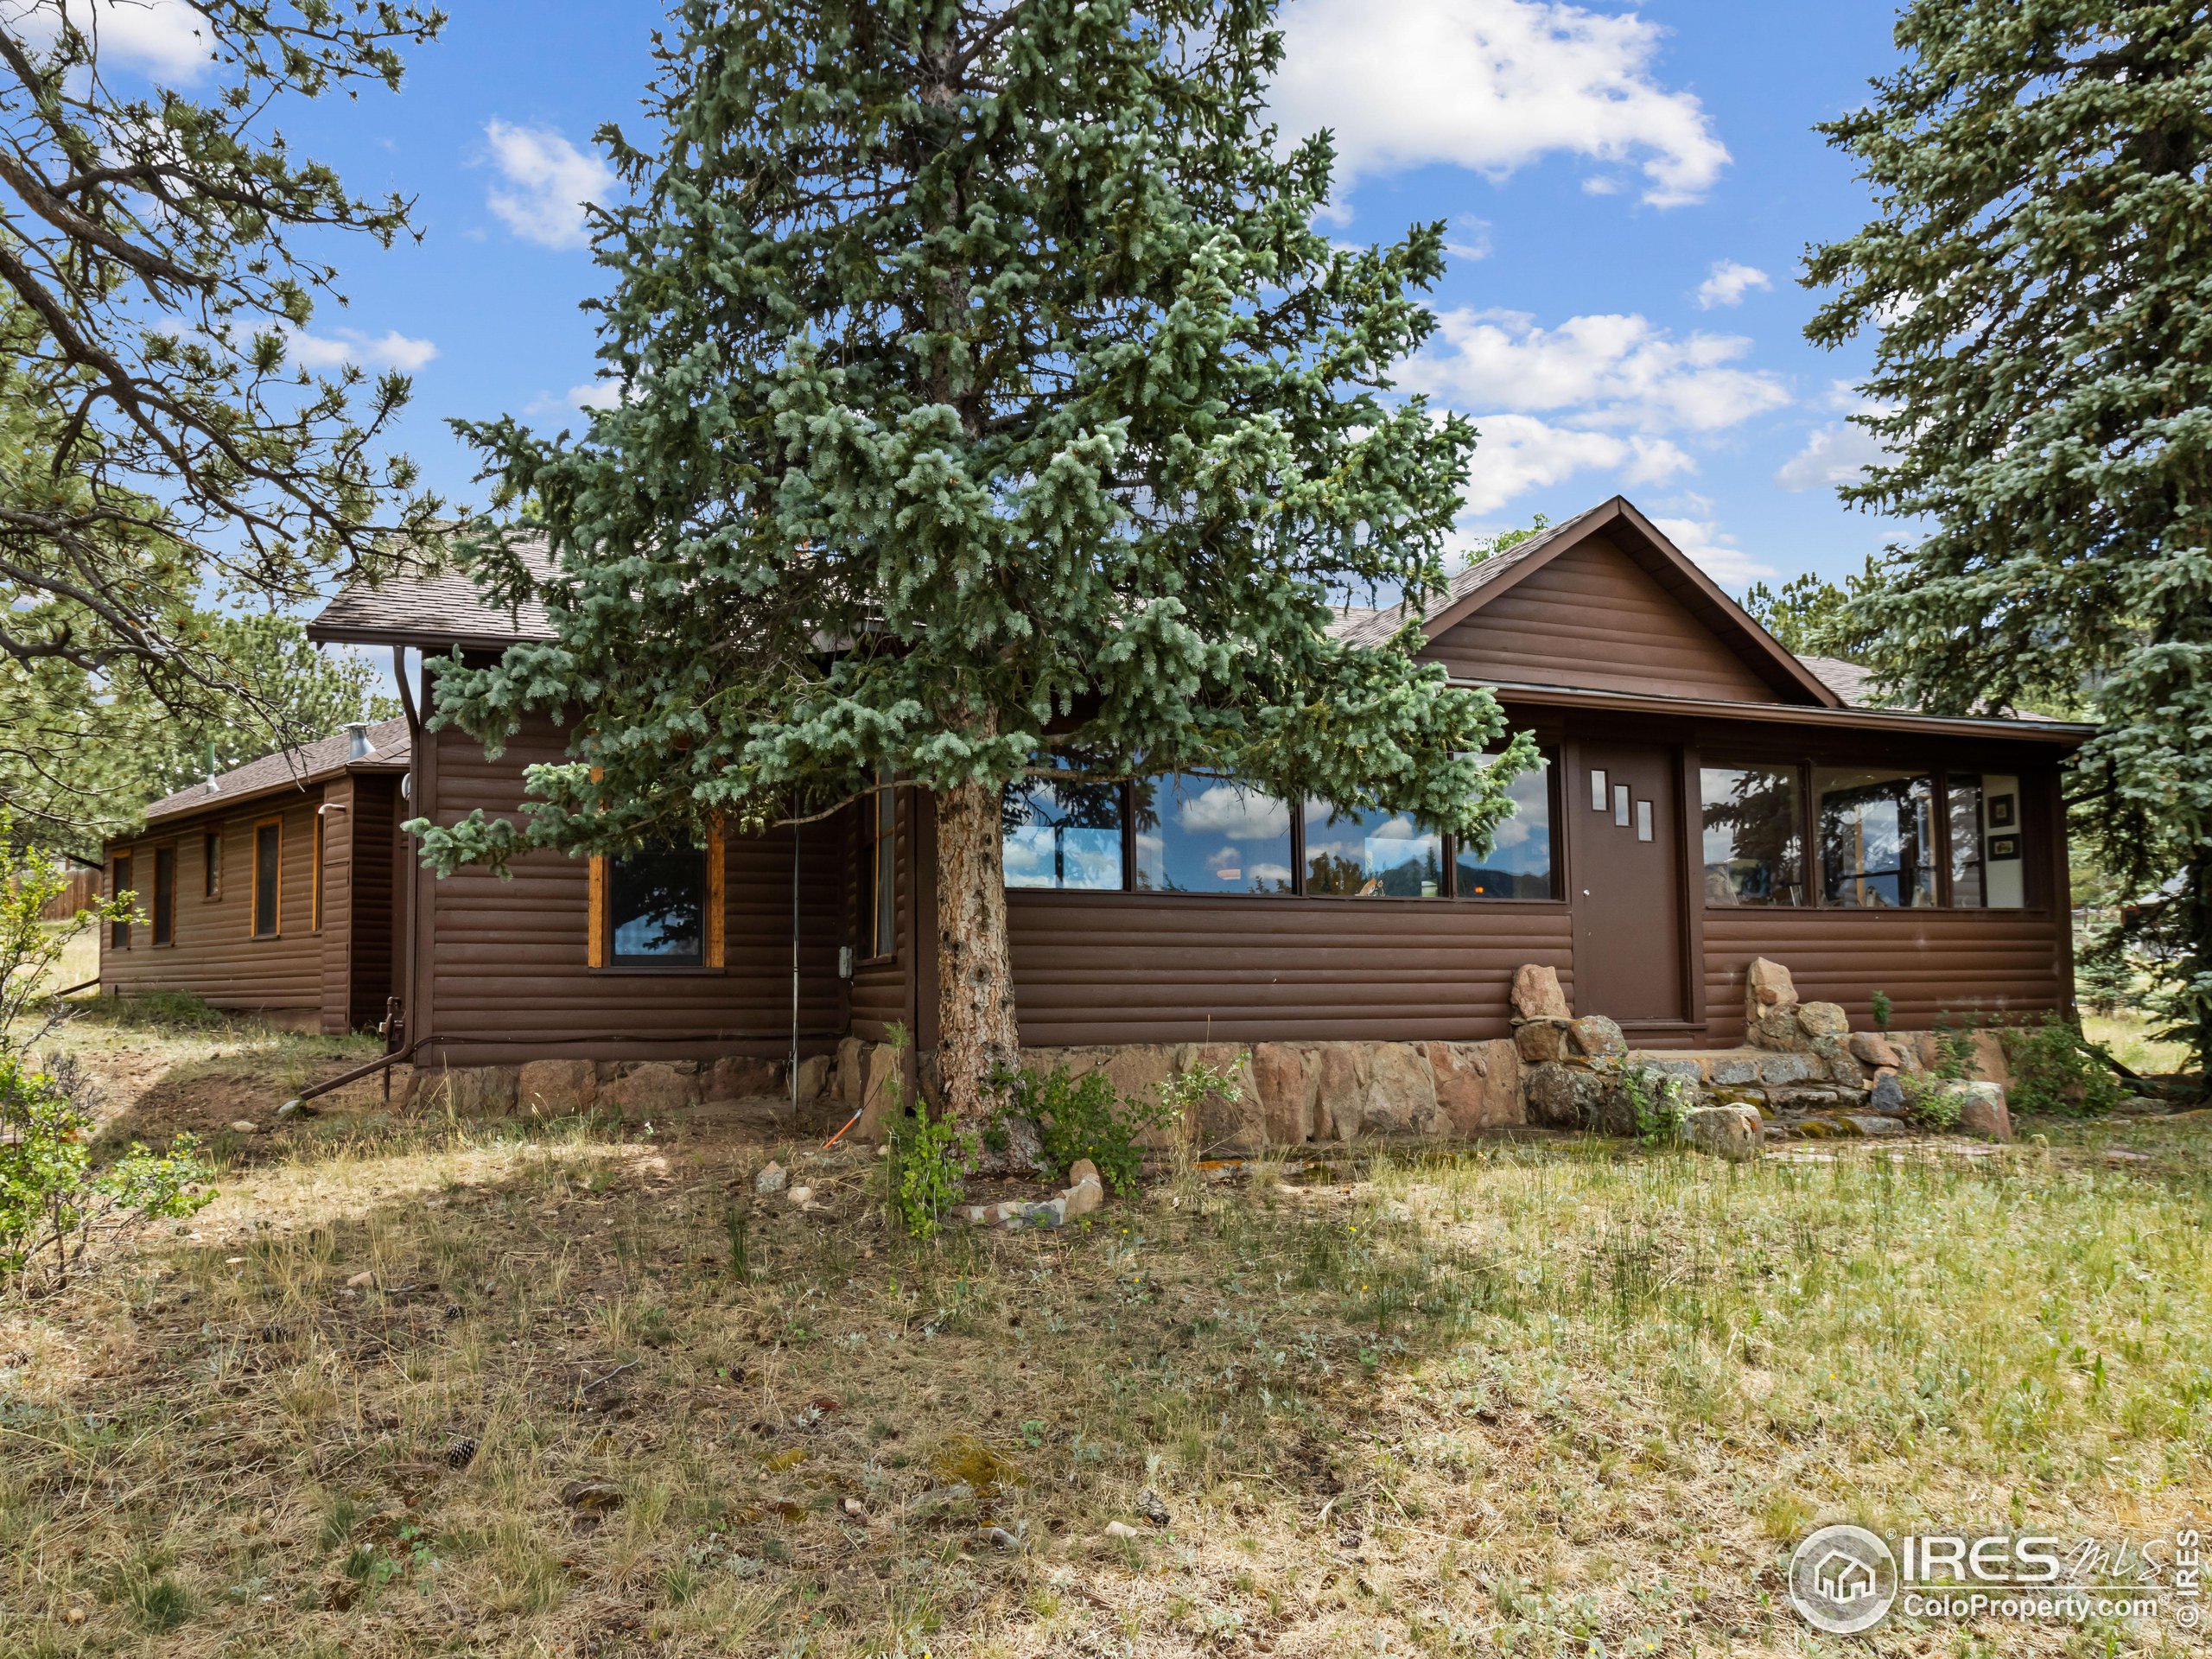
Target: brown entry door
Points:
x,y
1625,828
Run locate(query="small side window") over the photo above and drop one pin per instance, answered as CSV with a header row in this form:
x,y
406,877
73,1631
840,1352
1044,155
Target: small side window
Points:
x,y
267,878
165,895
211,865
119,932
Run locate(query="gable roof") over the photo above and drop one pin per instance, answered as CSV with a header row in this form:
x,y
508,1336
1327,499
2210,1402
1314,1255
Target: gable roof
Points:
x,y
1643,542
1853,682
435,612
293,768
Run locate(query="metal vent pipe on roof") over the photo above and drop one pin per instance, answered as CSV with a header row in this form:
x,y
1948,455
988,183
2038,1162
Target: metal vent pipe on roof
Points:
x,y
358,748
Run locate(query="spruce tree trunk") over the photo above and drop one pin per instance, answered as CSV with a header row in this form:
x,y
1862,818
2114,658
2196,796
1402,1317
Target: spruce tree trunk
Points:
x,y
976,1028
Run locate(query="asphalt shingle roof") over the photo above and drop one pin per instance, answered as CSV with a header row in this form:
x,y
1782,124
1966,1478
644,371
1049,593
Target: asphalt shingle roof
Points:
x,y
1362,626
442,609
308,763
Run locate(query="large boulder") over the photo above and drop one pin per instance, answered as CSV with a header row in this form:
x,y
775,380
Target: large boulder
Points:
x,y
1340,1088
1741,1066
1732,1132
556,1088
1544,1041
1824,1019
1990,1063
1537,994
1773,1028
848,1071
1574,1097
1982,1110
1767,984
1869,1050
648,1087
1887,1096
815,1073
1401,1093
1139,1070
879,1090
1286,1092
467,1090
1595,1037
1477,1084
740,1077
1791,1068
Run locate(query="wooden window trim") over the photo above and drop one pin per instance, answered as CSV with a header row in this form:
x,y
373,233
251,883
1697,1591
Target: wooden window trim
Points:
x,y
883,794
253,890
598,937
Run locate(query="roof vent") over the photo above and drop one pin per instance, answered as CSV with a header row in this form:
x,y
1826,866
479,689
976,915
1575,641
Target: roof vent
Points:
x,y
358,746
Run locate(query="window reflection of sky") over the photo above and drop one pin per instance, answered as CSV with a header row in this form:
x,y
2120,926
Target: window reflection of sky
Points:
x,y
1063,836
1370,854
1201,835
1519,862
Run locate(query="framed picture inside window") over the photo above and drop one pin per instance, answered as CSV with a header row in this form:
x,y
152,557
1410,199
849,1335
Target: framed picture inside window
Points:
x,y
2003,848
2003,811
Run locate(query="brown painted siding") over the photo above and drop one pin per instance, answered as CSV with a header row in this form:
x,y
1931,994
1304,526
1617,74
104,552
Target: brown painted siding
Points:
x,y
1121,968
1930,962
360,827
214,956
1593,618
507,958
882,990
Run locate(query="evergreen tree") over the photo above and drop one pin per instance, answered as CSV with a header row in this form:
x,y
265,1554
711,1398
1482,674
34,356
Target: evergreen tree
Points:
x,y
2036,279
991,407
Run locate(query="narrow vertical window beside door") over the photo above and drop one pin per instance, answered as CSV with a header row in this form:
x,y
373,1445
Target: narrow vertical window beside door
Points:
x,y
165,895
1643,820
1598,789
1620,805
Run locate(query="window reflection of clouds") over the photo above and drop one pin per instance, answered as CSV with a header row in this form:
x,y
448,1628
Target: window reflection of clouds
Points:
x,y
1370,854
1062,836
1519,862
1204,835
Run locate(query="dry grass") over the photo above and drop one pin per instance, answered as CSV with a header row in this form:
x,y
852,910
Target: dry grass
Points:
x,y
1549,1399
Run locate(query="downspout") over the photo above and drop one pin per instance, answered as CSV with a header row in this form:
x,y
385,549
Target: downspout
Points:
x,y
405,998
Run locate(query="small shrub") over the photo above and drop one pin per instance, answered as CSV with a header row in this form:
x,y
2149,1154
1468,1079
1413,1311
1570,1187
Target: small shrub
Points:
x,y
932,1159
1885,1010
1953,1050
53,1205
2056,1069
1086,1117
1658,1104
1929,1101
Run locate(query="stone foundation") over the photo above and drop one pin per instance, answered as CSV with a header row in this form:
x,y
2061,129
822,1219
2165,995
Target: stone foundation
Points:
x,y
1804,1072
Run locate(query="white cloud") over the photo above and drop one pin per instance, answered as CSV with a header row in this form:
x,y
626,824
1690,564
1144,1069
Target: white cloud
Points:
x,y
549,181
1468,238
1728,281
1491,85
1833,456
1616,370
394,351
164,37
1519,453
1713,550
591,394
1232,812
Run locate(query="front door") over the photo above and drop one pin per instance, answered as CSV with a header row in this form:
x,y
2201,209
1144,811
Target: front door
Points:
x,y
1625,845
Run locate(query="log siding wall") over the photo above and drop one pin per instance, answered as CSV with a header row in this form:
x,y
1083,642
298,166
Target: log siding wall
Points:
x,y
505,963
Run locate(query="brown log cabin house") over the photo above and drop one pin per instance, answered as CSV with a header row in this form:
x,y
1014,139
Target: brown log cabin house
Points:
x,y
1707,797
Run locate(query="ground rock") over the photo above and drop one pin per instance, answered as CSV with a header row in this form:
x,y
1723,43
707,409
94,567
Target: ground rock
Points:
x,y
1841,1064
1537,994
879,1091
1597,1038
1790,1068
1082,1198
1982,1110
1568,1097
1767,984
1872,1123
1278,1073
651,1087
1736,1068
771,1179
741,1079
556,1088
814,1074
245,1126
1887,1096
1732,1132
1400,1098
1869,1050
1544,1041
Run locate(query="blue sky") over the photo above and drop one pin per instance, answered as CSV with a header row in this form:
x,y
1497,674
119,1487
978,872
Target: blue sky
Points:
x,y
1630,192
